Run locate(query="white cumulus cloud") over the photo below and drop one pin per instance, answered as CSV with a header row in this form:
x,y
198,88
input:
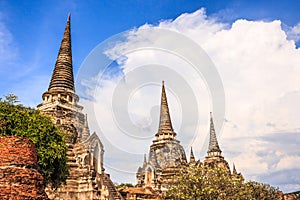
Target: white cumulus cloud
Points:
x,y
259,67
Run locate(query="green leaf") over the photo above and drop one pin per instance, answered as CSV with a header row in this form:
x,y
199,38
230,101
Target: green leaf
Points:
x,y
17,120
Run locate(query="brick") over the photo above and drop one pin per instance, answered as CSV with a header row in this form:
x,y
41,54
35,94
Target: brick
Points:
x,y
19,175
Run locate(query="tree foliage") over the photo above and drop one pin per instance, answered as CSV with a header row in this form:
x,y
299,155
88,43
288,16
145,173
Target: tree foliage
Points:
x,y
261,190
17,120
123,185
203,182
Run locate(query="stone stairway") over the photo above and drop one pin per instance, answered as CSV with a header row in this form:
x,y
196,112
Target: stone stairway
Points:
x,y
113,193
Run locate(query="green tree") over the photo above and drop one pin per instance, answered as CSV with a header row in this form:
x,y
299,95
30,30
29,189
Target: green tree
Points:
x,y
17,120
203,182
11,98
262,191
123,185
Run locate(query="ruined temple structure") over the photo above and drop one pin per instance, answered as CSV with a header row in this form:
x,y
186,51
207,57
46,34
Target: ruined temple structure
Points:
x,y
214,154
87,179
166,155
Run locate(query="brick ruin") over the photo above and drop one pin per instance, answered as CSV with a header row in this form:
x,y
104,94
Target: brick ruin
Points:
x,y
19,176
167,156
87,179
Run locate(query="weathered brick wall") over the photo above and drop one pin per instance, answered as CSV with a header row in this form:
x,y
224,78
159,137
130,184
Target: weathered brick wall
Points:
x,y
19,178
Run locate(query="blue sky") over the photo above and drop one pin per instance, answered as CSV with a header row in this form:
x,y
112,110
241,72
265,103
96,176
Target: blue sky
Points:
x,y
31,31
35,28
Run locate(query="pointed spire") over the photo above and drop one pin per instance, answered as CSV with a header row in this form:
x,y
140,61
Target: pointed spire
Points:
x,y
86,130
165,123
213,142
192,157
62,77
145,161
234,172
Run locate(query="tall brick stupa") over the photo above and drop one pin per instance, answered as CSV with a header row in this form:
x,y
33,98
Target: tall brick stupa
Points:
x,y
166,155
87,179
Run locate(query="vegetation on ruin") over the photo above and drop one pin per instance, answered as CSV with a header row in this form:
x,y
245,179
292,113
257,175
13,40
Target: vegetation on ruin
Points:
x,y
202,182
18,120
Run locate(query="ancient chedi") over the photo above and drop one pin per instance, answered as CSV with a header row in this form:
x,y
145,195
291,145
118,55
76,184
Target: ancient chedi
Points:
x,y
214,154
87,179
166,155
